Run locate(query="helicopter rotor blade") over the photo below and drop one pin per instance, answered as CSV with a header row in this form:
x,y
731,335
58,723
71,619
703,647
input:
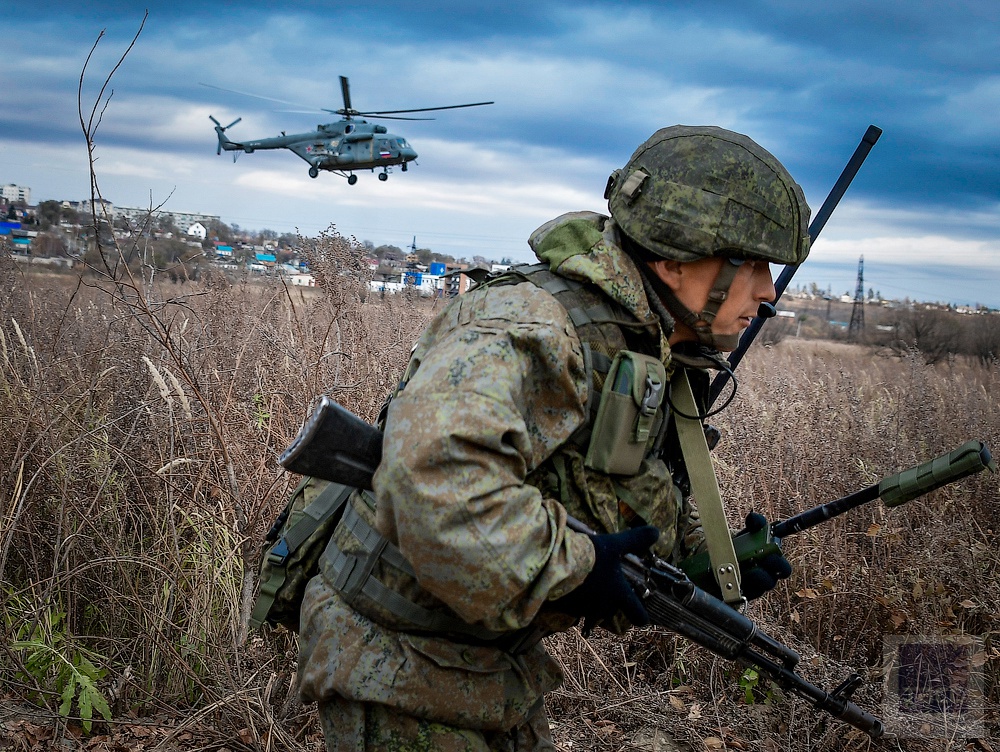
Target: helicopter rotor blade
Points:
x,y
347,111
345,90
377,113
395,117
350,113
232,124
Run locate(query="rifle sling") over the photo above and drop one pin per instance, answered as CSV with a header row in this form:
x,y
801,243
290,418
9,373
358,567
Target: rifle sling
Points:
x,y
705,487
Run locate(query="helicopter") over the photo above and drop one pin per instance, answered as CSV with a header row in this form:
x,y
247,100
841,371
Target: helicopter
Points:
x,y
341,148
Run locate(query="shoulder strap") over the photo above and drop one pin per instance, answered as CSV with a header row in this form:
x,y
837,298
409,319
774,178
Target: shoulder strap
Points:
x,y
705,487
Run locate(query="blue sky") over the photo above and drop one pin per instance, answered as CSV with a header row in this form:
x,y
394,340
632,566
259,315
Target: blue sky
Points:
x,y
577,87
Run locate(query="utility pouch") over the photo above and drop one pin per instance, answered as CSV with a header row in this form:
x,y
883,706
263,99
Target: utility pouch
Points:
x,y
629,414
294,546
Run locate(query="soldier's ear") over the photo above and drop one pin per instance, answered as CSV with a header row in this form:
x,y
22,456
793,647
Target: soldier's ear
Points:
x,y
669,272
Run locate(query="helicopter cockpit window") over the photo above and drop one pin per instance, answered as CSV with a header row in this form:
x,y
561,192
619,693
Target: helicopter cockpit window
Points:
x,y
401,143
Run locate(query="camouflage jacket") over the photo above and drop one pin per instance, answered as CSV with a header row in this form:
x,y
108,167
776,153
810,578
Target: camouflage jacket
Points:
x,y
478,470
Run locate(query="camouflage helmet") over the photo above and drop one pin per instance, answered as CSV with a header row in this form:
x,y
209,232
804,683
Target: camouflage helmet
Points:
x,y
695,192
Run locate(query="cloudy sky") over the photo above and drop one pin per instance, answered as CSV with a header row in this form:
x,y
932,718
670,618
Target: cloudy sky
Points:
x,y
577,86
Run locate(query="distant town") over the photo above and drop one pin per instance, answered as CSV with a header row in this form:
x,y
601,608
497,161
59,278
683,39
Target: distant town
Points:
x,y
183,244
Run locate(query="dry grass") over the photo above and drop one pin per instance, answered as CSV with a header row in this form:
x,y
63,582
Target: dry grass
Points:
x,y
815,421
142,427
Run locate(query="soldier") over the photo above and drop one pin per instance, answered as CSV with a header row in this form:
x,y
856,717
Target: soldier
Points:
x,y
539,394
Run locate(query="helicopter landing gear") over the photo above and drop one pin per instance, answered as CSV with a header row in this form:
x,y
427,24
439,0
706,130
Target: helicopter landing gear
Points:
x,y
313,172
403,167
352,179
383,176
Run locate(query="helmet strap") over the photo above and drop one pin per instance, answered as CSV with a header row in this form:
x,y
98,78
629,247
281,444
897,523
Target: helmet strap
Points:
x,y
699,323
716,297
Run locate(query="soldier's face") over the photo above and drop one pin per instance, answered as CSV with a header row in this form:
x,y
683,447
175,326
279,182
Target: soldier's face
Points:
x,y
691,282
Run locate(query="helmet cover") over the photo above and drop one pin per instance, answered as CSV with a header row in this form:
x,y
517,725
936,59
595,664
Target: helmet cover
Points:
x,y
692,192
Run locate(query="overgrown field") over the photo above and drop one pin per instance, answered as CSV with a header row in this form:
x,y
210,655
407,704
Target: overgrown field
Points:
x,y
141,427
815,421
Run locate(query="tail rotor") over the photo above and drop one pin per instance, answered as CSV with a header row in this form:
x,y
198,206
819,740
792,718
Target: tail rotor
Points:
x,y
220,131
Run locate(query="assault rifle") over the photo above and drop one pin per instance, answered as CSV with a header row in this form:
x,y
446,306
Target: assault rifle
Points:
x,y
336,445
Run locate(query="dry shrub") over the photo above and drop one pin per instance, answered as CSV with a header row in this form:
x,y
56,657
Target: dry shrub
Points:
x,y
142,427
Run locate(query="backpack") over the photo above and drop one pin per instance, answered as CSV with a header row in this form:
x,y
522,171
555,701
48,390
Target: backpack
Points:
x,y
292,549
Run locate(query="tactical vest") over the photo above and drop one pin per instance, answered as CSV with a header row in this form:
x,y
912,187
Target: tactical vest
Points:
x,y
608,475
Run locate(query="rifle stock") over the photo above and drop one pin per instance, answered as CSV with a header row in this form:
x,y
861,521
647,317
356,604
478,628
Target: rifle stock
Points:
x,y
335,444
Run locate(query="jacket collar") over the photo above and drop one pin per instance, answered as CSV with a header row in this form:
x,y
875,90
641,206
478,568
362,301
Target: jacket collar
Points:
x,y
584,246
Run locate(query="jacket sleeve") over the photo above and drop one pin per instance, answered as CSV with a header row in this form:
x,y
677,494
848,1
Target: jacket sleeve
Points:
x,y
497,383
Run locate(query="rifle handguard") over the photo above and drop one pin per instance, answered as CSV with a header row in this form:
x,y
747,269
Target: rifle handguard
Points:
x,y
970,458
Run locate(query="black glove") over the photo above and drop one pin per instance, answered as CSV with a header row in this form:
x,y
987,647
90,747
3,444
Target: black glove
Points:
x,y
763,577
605,592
